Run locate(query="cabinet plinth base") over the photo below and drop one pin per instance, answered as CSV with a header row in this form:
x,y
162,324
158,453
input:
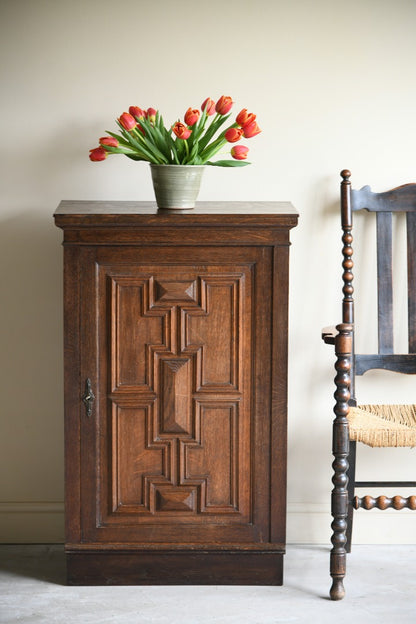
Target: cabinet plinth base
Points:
x,y
175,568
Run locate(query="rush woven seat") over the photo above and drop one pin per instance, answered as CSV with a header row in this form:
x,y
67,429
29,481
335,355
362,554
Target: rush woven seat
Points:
x,y
383,425
388,425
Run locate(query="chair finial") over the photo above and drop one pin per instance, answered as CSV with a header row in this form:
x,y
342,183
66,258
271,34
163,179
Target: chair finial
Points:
x,y
346,174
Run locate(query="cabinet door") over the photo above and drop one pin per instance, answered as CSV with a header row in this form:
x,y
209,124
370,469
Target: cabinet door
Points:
x,y
177,344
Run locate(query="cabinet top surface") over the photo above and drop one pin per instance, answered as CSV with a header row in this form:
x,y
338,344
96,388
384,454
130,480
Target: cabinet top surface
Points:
x,y
89,213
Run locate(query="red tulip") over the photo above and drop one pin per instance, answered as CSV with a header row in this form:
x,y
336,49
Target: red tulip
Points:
x,y
191,116
224,105
98,154
111,141
136,112
151,115
233,134
239,152
127,121
243,118
208,105
181,131
250,130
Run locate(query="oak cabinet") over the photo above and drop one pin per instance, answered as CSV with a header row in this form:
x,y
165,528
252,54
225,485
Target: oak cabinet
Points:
x,y
175,392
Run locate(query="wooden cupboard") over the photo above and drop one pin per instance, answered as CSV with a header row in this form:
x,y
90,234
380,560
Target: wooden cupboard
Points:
x,y
175,392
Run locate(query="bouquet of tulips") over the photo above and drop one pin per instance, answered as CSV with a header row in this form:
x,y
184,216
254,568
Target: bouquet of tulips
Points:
x,y
203,134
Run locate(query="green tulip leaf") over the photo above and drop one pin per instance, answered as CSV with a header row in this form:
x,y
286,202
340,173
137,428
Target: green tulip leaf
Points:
x,y
135,157
228,163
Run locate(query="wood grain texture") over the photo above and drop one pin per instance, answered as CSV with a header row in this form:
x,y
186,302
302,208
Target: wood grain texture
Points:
x,y
239,214
183,333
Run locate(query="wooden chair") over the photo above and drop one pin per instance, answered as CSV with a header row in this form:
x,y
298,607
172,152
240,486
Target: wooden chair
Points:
x,y
374,425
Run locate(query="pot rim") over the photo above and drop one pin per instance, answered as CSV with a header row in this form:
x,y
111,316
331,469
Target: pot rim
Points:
x,y
154,165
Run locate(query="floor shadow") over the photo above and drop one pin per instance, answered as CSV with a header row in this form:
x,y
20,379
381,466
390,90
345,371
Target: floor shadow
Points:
x,y
39,562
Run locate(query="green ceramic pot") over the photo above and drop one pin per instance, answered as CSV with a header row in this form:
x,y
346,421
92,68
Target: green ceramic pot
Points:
x,y
176,186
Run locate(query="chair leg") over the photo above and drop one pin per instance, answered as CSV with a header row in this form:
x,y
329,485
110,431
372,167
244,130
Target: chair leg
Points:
x,y
340,451
351,493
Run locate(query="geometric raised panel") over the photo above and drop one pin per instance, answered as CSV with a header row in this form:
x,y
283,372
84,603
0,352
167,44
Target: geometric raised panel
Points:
x,y
174,356
146,477
183,291
175,499
175,395
132,329
216,456
218,329
132,456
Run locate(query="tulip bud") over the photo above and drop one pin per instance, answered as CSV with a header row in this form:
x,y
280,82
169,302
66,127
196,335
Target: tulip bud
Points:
x,y
98,154
239,152
181,131
110,141
250,130
233,134
127,121
243,118
136,112
208,105
151,115
224,105
191,116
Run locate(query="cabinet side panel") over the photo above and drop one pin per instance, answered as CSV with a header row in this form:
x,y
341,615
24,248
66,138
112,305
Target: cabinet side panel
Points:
x,y
261,405
278,431
71,386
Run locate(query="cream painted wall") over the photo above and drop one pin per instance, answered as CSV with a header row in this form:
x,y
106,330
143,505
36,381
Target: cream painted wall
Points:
x,y
333,86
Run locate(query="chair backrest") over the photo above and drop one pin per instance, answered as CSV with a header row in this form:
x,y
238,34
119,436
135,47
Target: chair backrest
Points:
x,y
398,200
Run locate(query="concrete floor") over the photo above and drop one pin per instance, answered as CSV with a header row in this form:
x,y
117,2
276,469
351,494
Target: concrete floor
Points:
x,y
380,584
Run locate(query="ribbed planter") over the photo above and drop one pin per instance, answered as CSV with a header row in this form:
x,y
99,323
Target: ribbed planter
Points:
x,y
176,186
